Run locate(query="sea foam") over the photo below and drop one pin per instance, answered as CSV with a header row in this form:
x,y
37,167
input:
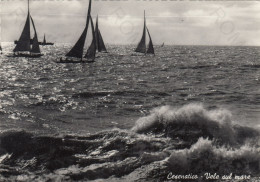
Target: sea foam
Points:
x,y
191,122
204,156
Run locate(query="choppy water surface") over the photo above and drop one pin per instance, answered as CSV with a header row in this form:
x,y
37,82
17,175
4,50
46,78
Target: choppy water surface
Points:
x,y
126,117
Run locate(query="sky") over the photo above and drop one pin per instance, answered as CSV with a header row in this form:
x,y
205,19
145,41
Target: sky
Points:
x,y
121,22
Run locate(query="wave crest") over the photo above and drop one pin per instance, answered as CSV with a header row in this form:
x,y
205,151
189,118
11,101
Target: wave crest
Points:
x,y
191,122
205,156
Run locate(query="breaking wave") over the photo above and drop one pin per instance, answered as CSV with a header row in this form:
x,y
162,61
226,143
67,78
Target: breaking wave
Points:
x,y
193,121
190,139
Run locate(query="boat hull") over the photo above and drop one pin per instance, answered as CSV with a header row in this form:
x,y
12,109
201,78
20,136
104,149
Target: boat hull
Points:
x,y
74,61
26,55
41,43
142,54
48,43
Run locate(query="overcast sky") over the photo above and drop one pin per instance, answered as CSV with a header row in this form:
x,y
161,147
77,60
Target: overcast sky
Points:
x,y
121,22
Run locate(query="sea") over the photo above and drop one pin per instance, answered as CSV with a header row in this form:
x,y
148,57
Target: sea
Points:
x,y
187,113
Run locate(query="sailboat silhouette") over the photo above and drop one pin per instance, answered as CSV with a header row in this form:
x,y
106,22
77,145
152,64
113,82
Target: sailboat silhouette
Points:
x,y
44,42
77,50
23,47
100,43
141,47
162,45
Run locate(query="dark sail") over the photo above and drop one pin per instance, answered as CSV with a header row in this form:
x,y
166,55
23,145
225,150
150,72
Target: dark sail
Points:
x,y
150,49
44,40
100,43
24,41
77,49
141,45
35,45
91,53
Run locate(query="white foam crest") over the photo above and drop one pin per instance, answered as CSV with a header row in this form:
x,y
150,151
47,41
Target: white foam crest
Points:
x,y
184,157
145,122
188,114
5,156
245,151
222,116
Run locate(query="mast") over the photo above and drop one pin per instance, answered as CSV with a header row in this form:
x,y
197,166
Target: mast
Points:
x,y
141,47
96,32
77,49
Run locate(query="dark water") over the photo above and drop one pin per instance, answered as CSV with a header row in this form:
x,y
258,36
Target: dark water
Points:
x,y
189,109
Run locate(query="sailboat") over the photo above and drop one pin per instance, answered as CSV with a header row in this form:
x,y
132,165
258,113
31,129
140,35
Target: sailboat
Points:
x,y
23,47
44,42
141,47
100,43
77,50
162,45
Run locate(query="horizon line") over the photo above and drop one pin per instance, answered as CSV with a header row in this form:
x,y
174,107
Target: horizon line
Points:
x,y
165,44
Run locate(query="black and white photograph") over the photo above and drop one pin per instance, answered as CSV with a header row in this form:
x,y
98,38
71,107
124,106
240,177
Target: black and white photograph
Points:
x,y
129,91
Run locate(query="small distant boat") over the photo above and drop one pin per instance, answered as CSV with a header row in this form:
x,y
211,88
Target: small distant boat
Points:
x,y
141,47
23,47
1,50
99,40
77,49
162,45
44,42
